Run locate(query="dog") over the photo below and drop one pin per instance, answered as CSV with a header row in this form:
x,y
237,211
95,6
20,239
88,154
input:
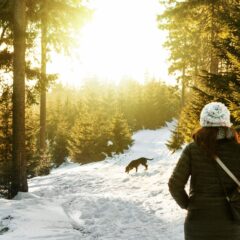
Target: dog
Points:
x,y
136,163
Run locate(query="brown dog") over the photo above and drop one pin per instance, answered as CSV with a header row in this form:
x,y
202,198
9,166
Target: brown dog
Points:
x,y
136,163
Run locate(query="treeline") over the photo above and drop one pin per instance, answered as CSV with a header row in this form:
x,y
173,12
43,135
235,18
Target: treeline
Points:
x,y
86,124
98,120
204,41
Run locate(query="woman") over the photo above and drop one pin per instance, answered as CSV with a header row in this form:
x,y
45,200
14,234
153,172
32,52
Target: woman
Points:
x,y
208,215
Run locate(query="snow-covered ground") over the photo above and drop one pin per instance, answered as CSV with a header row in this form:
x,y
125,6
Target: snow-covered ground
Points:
x,y
99,200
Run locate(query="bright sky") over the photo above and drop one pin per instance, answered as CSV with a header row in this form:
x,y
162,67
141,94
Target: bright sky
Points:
x,y
121,40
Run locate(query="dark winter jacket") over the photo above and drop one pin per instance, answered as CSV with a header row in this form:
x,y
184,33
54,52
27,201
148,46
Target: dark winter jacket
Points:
x,y
205,189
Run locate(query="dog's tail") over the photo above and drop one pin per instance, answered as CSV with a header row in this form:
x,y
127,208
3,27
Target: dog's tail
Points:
x,y
149,159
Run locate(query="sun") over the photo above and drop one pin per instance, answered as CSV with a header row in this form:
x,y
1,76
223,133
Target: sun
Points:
x,y
121,40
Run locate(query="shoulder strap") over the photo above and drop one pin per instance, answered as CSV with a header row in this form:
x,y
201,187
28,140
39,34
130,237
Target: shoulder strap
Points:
x,y
229,173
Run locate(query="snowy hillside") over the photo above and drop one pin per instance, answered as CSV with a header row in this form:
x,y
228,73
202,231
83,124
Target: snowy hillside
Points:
x,y
99,200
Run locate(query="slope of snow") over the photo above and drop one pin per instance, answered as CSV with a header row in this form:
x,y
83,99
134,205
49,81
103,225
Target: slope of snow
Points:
x,y
99,200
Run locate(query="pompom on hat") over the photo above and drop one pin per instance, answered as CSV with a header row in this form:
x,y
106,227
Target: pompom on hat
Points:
x,y
215,114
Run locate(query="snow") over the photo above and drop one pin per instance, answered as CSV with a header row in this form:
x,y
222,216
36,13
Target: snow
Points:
x,y
99,200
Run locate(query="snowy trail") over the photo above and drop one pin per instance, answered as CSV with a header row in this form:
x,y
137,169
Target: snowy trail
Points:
x,y
99,200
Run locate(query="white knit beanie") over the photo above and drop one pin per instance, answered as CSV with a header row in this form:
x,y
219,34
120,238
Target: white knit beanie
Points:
x,y
215,114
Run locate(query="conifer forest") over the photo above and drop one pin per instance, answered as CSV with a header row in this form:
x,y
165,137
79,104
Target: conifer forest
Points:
x,y
44,122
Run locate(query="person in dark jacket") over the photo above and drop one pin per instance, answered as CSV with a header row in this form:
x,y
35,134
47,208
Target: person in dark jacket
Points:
x,y
208,214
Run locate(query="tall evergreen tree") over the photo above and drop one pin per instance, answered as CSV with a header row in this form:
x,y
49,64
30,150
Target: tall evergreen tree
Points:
x,y
5,142
43,80
19,182
82,141
201,29
122,135
59,148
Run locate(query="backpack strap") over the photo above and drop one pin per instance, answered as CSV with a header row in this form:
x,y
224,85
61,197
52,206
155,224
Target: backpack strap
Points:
x,y
229,173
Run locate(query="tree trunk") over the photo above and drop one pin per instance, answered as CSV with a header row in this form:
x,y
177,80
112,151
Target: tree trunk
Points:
x,y
43,81
19,176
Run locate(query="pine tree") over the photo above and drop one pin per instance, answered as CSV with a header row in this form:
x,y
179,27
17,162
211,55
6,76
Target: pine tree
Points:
x,y
122,135
206,84
228,46
19,182
43,78
59,146
62,114
103,134
82,144
184,43
176,140
5,142
129,102
32,155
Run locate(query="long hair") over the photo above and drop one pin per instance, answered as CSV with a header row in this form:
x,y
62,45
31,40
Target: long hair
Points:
x,y
206,137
